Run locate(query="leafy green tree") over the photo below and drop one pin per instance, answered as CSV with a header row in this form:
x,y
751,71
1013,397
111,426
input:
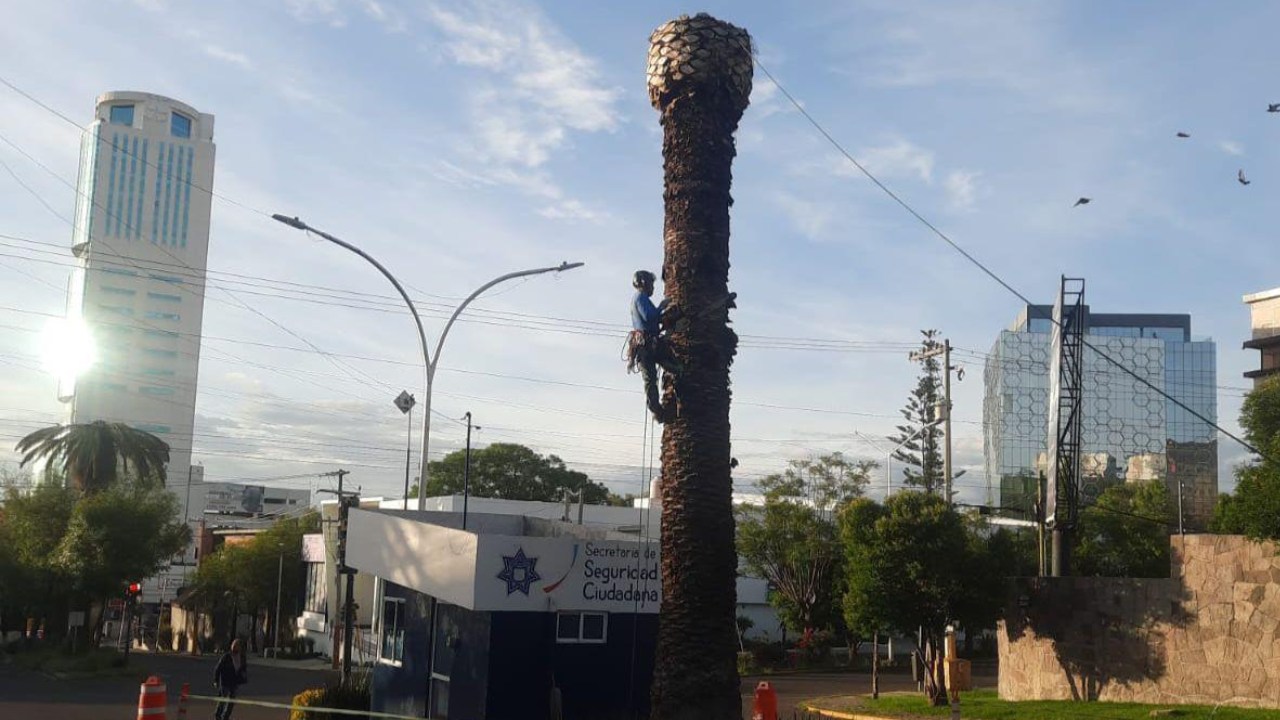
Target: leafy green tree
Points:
x,y
792,541
1260,414
124,533
248,574
93,455
511,472
1254,508
911,564
1125,533
922,455
32,525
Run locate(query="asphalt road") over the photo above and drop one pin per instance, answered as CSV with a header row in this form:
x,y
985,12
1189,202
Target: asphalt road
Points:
x,y
33,696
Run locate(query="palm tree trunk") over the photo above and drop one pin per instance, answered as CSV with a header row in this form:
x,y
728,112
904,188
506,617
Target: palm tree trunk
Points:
x,y
699,80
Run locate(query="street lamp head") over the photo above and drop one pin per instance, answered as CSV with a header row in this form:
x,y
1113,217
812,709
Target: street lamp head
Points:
x,y
569,266
292,222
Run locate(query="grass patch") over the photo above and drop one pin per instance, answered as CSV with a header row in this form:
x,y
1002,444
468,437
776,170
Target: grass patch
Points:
x,y
90,663
985,705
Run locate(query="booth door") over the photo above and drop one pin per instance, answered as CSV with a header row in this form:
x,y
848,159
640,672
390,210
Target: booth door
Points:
x,y
443,651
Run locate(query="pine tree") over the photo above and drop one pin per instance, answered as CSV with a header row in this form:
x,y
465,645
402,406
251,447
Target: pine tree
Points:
x,y
923,454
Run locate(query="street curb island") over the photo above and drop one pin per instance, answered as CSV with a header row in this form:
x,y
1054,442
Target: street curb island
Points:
x,y
813,706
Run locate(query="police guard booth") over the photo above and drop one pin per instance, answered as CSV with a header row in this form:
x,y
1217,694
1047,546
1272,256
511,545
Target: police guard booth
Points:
x,y
515,617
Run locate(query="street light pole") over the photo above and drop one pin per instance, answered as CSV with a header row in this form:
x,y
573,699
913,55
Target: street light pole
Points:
x,y
279,587
429,362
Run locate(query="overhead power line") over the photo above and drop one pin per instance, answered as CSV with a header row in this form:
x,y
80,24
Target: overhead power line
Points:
x,y
978,264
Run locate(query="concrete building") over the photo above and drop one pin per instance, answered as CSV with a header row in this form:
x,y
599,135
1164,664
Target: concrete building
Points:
x,y
141,239
514,617
1264,320
1123,417
640,524
218,512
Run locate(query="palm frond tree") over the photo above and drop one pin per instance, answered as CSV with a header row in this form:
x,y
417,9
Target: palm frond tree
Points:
x,y
92,455
699,80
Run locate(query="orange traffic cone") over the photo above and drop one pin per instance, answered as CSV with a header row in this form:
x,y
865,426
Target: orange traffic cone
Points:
x,y
765,705
152,699
182,701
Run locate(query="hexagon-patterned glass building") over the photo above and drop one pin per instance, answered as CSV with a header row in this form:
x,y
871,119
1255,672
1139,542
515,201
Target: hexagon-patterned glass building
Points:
x,y
1130,432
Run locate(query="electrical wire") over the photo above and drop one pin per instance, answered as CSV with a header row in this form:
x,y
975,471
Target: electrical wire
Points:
x,y
978,264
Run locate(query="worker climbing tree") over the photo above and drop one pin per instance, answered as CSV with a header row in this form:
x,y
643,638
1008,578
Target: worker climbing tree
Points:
x,y
647,349
699,78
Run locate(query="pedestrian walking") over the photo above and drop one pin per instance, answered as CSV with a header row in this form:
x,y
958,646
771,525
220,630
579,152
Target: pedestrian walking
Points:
x,y
231,672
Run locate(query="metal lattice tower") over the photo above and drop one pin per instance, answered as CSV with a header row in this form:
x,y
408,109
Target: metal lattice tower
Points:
x,y
1066,403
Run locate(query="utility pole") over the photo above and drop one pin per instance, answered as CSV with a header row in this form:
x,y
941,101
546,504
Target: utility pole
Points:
x,y
946,417
466,471
279,588
345,601
944,410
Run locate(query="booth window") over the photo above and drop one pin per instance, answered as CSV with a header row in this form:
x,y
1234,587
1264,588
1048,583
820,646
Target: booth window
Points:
x,y
581,627
392,650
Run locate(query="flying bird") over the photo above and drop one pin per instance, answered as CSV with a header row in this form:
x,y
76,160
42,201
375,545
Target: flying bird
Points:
x,y
1241,178
1273,107
1083,201
1183,135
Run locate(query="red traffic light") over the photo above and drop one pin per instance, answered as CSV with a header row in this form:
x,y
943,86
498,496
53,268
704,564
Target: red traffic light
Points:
x,y
135,588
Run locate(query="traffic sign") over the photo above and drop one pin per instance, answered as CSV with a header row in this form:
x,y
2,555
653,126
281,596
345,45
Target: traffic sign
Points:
x,y
405,401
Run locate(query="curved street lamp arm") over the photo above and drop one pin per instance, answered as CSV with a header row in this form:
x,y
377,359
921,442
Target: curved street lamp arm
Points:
x,y
479,291
422,335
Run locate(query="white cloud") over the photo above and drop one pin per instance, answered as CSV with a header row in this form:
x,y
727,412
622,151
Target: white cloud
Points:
x,y
533,89
326,11
1011,46
389,18
217,52
572,210
538,85
1231,147
962,188
898,159
809,218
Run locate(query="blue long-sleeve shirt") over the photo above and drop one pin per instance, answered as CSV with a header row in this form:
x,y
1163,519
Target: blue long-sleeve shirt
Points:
x,y
644,314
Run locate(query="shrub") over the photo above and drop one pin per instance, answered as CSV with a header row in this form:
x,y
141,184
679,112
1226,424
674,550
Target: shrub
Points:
x,y
747,664
355,694
766,654
306,698
814,648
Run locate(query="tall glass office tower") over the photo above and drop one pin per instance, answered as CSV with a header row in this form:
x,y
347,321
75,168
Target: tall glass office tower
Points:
x,y
141,239
1130,432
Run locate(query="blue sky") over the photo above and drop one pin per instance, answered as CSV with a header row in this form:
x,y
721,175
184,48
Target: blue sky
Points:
x,y
457,141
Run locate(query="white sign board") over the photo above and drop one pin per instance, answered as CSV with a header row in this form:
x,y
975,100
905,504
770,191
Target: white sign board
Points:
x,y
491,572
567,573
75,618
313,548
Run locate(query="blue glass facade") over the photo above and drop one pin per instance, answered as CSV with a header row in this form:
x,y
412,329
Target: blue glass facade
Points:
x,y
1130,431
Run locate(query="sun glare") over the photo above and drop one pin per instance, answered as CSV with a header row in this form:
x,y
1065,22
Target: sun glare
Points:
x,y
67,348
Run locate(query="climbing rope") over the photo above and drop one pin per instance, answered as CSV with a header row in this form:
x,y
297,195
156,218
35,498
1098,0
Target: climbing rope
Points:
x,y
648,447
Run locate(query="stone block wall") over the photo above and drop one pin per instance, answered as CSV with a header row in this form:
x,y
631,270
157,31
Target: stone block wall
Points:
x,y
1206,635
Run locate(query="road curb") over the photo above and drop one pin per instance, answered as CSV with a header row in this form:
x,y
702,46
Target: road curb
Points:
x,y
838,715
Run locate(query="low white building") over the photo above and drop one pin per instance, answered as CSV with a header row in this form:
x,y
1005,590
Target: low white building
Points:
x,y
642,523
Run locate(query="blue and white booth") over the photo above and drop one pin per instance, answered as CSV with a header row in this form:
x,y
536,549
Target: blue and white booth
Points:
x,y
515,617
